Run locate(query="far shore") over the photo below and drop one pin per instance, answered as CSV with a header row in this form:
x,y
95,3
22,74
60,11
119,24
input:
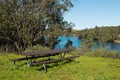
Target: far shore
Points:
x,y
117,41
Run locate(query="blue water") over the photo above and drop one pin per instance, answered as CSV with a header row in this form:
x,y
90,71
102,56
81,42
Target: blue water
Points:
x,y
64,40
108,45
76,42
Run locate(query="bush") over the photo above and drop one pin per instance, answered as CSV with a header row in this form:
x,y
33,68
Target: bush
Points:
x,y
103,52
83,49
36,48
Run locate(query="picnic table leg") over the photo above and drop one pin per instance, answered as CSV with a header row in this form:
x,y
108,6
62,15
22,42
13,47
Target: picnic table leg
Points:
x,y
45,68
14,66
61,56
48,57
29,62
14,62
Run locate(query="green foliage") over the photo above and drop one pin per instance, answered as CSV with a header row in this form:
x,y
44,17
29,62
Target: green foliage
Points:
x,y
36,48
101,34
24,23
102,52
87,40
83,49
88,68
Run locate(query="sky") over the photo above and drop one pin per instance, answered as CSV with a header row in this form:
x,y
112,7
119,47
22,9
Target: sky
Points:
x,y
89,13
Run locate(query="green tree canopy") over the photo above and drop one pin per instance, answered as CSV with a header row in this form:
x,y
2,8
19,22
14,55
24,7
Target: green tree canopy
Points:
x,y
25,22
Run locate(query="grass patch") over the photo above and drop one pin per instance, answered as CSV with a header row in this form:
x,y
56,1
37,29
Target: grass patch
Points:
x,y
88,68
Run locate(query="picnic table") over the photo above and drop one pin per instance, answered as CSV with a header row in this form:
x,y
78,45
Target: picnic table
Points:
x,y
30,56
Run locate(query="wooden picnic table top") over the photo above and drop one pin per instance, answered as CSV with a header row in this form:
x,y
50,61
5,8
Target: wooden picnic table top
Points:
x,y
43,53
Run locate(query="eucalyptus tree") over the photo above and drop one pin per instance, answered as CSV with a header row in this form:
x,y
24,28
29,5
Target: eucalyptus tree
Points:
x,y
26,22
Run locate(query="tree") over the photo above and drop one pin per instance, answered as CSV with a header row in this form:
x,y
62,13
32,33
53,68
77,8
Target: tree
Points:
x,y
26,22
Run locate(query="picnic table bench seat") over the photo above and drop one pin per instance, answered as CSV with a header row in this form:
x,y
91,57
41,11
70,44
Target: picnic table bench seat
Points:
x,y
51,61
24,58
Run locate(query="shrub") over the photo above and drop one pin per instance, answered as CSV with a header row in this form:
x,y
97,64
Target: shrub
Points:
x,y
36,48
83,49
103,52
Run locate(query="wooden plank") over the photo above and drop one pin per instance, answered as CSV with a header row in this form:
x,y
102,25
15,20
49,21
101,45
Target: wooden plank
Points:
x,y
32,57
52,61
47,52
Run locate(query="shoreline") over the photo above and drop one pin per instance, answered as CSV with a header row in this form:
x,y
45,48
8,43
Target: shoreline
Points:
x,y
117,41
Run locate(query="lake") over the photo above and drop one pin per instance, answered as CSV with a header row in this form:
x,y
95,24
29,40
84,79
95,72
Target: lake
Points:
x,y
76,42
108,45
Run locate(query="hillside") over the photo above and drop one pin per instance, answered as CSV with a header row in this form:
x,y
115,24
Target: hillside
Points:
x,y
103,34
